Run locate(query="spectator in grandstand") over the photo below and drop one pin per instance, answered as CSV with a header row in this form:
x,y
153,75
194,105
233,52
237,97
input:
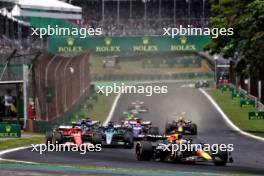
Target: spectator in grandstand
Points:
x,y
137,19
8,102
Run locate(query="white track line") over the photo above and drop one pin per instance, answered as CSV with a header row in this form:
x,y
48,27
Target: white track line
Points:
x,y
111,113
229,122
14,150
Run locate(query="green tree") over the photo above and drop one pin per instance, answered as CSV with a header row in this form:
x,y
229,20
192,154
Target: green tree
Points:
x,y
246,17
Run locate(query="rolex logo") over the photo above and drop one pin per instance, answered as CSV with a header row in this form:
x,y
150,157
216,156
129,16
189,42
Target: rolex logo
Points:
x,y
8,128
145,40
70,41
183,40
108,40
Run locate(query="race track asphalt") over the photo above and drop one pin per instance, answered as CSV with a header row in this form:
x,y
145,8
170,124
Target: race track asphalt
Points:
x,y
248,153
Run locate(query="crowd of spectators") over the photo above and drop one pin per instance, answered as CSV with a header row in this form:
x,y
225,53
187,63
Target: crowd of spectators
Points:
x,y
136,17
15,34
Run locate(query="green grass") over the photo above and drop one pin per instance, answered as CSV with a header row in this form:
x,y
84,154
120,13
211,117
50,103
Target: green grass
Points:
x,y
100,109
13,143
238,115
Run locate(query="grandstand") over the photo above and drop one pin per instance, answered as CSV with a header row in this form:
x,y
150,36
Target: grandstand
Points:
x,y
139,17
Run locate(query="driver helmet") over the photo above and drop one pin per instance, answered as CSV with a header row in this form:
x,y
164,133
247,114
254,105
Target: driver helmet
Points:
x,y
88,119
89,122
181,119
175,137
138,123
110,125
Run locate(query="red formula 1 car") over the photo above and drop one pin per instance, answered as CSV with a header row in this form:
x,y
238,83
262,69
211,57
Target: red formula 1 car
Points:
x,y
73,135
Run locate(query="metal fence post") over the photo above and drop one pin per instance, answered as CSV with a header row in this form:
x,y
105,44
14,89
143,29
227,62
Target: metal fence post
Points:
x,y
25,94
46,86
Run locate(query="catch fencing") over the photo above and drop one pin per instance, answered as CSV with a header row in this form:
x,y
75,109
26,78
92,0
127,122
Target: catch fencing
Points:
x,y
60,82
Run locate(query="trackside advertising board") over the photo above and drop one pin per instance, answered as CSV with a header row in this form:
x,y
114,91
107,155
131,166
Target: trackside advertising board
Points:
x,y
10,130
59,44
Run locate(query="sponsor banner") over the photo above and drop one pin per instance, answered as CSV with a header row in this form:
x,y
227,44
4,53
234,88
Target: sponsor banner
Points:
x,y
10,130
256,115
60,44
244,103
226,88
237,95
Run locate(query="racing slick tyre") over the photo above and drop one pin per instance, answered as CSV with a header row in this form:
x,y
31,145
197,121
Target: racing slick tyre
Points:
x,y
49,137
129,139
57,138
97,138
144,151
223,155
193,129
153,131
173,157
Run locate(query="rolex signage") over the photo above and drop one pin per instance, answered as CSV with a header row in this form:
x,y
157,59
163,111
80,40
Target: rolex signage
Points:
x,y
70,46
183,45
10,130
57,44
145,46
107,47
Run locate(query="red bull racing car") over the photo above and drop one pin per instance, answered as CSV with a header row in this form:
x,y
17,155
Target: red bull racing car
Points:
x,y
182,126
164,150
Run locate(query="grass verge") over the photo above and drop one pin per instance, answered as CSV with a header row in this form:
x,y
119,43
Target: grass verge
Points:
x,y
8,144
100,109
238,115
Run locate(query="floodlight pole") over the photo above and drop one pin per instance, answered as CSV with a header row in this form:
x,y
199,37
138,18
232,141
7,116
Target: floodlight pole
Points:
x,y
145,13
189,12
203,13
118,10
103,8
130,9
174,11
160,4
